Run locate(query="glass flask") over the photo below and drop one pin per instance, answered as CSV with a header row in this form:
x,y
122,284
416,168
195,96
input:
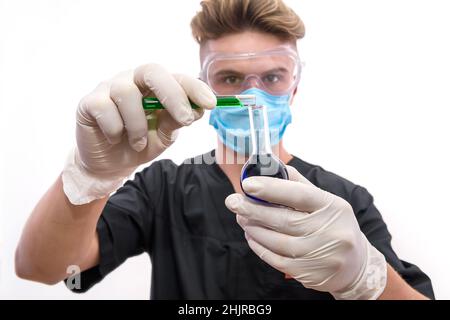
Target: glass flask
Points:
x,y
262,162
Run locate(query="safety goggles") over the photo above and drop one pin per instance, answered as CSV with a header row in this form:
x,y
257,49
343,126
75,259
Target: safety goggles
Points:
x,y
275,71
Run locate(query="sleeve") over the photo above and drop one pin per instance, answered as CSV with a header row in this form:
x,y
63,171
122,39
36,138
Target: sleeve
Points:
x,y
125,225
375,229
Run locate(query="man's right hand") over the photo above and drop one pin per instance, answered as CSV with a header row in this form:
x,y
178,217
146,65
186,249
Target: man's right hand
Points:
x,y
112,131
113,135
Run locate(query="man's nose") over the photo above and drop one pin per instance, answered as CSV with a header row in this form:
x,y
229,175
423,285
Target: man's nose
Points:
x,y
252,82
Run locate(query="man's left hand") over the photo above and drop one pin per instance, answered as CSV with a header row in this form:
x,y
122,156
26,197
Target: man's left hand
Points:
x,y
311,235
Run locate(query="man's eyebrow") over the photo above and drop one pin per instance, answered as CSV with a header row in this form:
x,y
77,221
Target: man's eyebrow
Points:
x,y
280,69
227,71
234,72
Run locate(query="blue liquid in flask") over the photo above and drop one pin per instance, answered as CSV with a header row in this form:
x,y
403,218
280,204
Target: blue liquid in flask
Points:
x,y
261,161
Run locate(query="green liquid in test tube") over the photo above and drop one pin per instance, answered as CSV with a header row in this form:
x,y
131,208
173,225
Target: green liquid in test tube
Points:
x,y
239,101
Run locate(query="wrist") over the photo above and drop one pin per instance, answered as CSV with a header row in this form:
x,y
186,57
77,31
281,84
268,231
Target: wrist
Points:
x,y
371,280
82,186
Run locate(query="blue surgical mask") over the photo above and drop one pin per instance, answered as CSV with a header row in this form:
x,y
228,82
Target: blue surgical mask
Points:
x,y
233,125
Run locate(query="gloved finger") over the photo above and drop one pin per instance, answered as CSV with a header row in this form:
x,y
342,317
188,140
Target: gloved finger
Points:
x,y
97,108
165,87
242,221
197,91
281,219
158,142
198,113
128,99
300,196
286,245
275,260
285,220
294,175
167,124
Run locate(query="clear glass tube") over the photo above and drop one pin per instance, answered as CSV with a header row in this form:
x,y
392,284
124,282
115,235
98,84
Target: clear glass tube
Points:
x,y
259,129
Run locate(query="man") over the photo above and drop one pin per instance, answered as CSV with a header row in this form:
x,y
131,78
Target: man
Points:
x,y
324,239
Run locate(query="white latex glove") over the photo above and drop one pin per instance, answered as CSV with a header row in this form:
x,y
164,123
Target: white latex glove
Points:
x,y
114,135
315,238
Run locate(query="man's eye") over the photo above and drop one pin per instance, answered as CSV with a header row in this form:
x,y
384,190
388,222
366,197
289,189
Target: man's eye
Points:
x,y
231,80
272,78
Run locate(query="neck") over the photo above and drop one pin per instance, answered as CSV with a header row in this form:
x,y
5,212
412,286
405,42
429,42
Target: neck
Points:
x,y
231,162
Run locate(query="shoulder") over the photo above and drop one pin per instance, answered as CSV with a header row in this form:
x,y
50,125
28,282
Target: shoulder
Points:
x,y
330,181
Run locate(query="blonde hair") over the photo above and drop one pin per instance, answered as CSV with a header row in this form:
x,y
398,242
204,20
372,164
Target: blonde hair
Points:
x,y
221,17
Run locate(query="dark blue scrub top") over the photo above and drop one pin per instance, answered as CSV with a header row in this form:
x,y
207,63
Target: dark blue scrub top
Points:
x,y
177,215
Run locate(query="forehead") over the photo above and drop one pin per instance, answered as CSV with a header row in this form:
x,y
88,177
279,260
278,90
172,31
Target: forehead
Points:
x,y
247,41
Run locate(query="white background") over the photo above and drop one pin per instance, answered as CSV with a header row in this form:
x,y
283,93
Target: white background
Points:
x,y
373,106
